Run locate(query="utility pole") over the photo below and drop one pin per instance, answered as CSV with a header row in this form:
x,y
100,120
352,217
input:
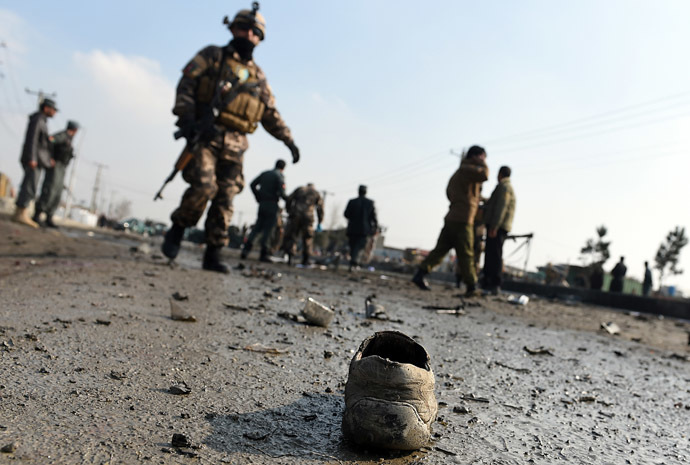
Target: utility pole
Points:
x,y
96,186
40,94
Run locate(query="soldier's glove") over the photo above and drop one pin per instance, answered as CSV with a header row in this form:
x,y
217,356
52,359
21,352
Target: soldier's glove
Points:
x,y
294,150
187,128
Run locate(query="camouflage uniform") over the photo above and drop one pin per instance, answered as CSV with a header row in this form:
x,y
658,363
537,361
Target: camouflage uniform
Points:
x,y
300,207
215,173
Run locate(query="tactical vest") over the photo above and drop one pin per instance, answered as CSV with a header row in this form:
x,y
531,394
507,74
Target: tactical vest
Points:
x,y
244,112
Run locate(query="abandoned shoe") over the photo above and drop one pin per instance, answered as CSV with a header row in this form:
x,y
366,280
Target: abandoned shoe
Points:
x,y
389,395
419,280
212,260
172,241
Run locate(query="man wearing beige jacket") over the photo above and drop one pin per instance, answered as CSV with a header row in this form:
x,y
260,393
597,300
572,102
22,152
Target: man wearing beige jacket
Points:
x,y
498,217
463,191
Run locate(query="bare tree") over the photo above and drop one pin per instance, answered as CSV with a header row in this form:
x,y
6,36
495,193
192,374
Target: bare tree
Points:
x,y
122,209
596,251
669,253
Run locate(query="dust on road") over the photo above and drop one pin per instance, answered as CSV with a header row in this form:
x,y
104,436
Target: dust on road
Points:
x,y
94,370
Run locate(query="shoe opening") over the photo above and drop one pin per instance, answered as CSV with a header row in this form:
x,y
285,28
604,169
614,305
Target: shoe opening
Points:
x,y
398,348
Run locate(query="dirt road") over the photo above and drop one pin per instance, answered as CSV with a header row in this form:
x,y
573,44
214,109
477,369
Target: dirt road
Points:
x,y
94,370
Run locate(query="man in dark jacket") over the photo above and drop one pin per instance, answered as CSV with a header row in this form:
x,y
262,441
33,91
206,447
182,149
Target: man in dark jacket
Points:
x,y
647,283
362,223
618,274
463,191
36,155
268,189
54,181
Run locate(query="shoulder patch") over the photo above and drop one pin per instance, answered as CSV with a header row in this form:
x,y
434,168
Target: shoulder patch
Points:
x,y
196,67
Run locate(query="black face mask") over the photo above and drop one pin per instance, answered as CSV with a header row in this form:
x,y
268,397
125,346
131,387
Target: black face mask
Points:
x,y
244,47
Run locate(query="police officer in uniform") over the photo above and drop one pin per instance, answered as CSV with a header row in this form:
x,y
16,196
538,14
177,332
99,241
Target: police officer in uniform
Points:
x,y
54,181
36,155
300,207
228,79
268,188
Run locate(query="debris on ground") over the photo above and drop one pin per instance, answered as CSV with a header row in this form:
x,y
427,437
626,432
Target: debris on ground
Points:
x,y
177,313
180,440
180,389
519,370
258,347
317,314
611,328
474,398
180,297
541,350
235,307
373,310
9,448
521,300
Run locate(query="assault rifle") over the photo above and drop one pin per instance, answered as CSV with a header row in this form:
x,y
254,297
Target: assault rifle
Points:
x,y
225,92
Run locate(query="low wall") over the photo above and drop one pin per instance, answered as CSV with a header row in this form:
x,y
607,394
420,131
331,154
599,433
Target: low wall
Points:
x,y
677,308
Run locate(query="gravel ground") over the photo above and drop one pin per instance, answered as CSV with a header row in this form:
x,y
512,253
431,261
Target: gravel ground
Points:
x,y
93,369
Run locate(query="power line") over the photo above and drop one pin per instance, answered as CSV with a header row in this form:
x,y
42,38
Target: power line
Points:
x,y
587,118
10,72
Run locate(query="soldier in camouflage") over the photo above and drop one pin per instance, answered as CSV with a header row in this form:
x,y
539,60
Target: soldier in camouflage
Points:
x,y
54,180
229,78
300,207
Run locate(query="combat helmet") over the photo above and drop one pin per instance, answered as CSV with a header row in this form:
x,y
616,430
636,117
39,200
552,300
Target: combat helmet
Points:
x,y
251,18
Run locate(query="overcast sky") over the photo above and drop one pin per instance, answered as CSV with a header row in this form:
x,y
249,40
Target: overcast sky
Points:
x,y
588,102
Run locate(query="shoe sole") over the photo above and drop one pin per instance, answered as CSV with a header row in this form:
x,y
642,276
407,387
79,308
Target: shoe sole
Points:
x,y
385,424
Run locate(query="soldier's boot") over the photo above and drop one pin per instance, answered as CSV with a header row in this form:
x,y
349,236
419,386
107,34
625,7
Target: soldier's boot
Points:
x,y
212,260
172,242
246,249
419,280
264,257
37,217
50,223
472,291
305,259
21,216
289,255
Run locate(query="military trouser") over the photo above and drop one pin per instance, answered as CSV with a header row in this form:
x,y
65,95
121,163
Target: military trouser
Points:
x,y
214,174
297,225
277,233
266,220
357,242
51,191
29,186
458,236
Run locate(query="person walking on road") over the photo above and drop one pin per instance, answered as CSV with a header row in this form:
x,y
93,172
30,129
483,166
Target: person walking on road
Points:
x,y
222,96
54,181
300,207
268,189
498,218
361,223
36,155
463,191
